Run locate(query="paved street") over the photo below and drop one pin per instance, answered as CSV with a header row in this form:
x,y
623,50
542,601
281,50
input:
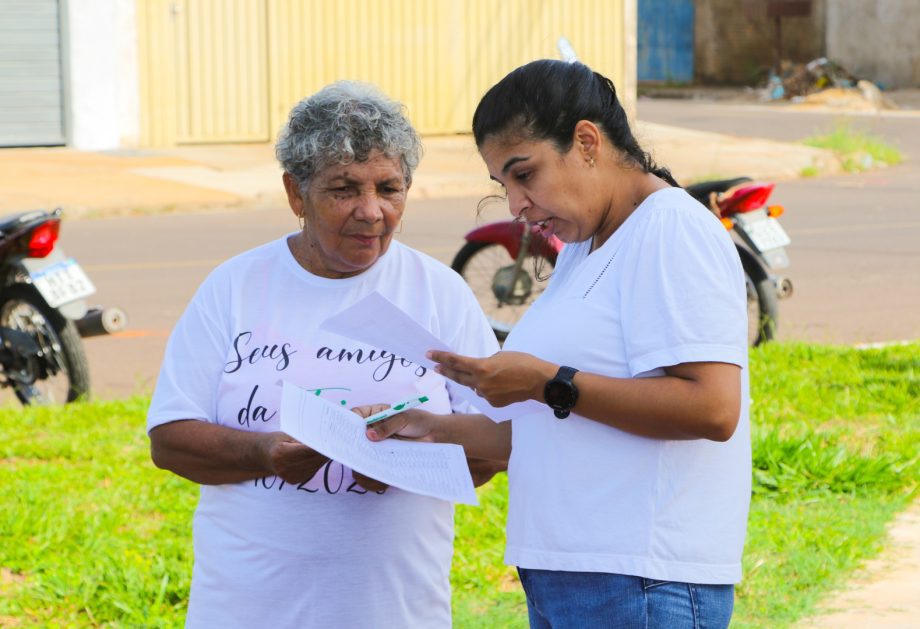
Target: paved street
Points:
x,y
855,238
855,259
151,266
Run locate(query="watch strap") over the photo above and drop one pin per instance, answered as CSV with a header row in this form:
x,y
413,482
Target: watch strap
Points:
x,y
564,375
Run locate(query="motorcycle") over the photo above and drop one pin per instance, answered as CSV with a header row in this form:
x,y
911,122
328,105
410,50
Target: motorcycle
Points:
x,y
43,312
501,261
741,205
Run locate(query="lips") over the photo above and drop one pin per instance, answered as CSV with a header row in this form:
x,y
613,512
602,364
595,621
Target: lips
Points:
x,y
545,226
365,239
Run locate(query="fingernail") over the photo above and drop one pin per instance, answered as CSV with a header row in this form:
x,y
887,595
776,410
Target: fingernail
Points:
x,y
429,355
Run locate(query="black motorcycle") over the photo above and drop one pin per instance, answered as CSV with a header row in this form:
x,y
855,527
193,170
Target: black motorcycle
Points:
x,y
43,312
741,205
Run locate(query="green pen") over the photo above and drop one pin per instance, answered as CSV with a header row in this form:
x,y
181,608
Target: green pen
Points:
x,y
397,408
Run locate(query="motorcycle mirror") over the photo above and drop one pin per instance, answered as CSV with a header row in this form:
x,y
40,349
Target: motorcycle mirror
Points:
x,y
566,52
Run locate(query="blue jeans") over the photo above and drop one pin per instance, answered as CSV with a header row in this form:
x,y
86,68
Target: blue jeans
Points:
x,y
597,600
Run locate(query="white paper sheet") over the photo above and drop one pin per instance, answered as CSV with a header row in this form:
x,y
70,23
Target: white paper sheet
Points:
x,y
432,469
377,321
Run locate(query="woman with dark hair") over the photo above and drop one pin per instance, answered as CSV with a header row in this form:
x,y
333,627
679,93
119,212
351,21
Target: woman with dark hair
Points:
x,y
628,493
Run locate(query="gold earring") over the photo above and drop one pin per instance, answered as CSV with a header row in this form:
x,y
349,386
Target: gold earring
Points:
x,y
399,229
300,221
591,162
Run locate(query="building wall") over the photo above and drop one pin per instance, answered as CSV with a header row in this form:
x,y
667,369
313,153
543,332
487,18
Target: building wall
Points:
x,y
31,74
226,71
878,40
126,73
101,63
736,41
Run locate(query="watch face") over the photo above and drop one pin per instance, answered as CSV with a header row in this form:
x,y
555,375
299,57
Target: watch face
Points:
x,y
560,394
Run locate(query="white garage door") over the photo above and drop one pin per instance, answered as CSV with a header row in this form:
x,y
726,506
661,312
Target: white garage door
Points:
x,y
31,98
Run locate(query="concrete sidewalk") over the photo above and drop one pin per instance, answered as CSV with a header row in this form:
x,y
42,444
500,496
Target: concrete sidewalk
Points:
x,y
188,178
885,592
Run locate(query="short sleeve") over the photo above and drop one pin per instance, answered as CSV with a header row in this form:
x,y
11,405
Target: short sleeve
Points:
x,y
190,374
683,295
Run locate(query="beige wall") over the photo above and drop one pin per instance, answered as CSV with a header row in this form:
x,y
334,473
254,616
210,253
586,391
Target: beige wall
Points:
x,y
878,40
735,40
230,70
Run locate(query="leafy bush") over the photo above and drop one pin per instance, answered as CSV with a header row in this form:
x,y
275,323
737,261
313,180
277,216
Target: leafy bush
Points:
x,y
857,150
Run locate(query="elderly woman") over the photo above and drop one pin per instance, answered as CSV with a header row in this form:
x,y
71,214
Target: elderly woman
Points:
x,y
283,536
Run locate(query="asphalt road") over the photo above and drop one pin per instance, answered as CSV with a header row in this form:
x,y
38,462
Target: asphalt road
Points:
x,y
855,239
151,266
855,254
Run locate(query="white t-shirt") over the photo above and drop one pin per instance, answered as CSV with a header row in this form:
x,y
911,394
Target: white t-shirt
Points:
x,y
324,553
666,288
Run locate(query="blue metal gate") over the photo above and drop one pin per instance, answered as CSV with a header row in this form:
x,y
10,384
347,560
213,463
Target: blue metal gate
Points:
x,y
665,40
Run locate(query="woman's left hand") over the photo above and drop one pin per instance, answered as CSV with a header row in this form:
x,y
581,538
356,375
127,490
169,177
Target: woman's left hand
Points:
x,y
502,378
367,482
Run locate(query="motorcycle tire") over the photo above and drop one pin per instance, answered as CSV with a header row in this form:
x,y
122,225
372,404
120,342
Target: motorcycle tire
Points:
x,y
23,308
763,309
480,264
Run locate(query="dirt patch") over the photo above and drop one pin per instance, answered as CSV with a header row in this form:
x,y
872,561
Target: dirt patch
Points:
x,y
7,577
885,592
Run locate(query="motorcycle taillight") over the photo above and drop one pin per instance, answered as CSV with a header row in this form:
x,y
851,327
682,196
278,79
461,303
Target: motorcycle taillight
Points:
x,y
746,198
42,239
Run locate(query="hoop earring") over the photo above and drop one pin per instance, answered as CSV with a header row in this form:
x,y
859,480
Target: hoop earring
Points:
x,y
300,221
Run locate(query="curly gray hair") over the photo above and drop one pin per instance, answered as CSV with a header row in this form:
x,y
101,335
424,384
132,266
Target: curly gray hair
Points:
x,y
343,123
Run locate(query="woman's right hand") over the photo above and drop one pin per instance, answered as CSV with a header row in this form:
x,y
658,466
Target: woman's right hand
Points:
x,y
501,379
291,460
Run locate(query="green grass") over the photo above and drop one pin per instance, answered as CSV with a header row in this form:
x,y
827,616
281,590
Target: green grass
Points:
x,y
834,434
91,534
857,150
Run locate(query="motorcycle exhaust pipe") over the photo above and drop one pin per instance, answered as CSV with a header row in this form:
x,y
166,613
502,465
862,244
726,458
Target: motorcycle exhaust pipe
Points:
x,y
99,321
783,287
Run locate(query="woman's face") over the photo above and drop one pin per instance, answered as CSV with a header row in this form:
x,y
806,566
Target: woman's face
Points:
x,y
350,212
549,188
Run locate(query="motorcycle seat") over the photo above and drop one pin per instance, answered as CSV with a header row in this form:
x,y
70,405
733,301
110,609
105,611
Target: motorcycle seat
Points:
x,y
15,222
701,191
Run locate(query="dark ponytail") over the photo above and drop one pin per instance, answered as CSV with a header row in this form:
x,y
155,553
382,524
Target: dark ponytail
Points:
x,y
544,100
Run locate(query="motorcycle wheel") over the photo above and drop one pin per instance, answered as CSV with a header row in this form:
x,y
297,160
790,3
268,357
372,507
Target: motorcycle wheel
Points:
x,y
487,268
23,308
763,310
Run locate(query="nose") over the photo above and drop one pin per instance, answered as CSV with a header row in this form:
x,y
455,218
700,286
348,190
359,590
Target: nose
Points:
x,y
518,204
368,208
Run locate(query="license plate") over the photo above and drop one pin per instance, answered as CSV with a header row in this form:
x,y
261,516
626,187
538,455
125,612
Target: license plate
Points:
x,y
766,234
62,282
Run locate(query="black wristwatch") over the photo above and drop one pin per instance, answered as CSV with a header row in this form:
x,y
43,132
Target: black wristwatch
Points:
x,y
561,393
